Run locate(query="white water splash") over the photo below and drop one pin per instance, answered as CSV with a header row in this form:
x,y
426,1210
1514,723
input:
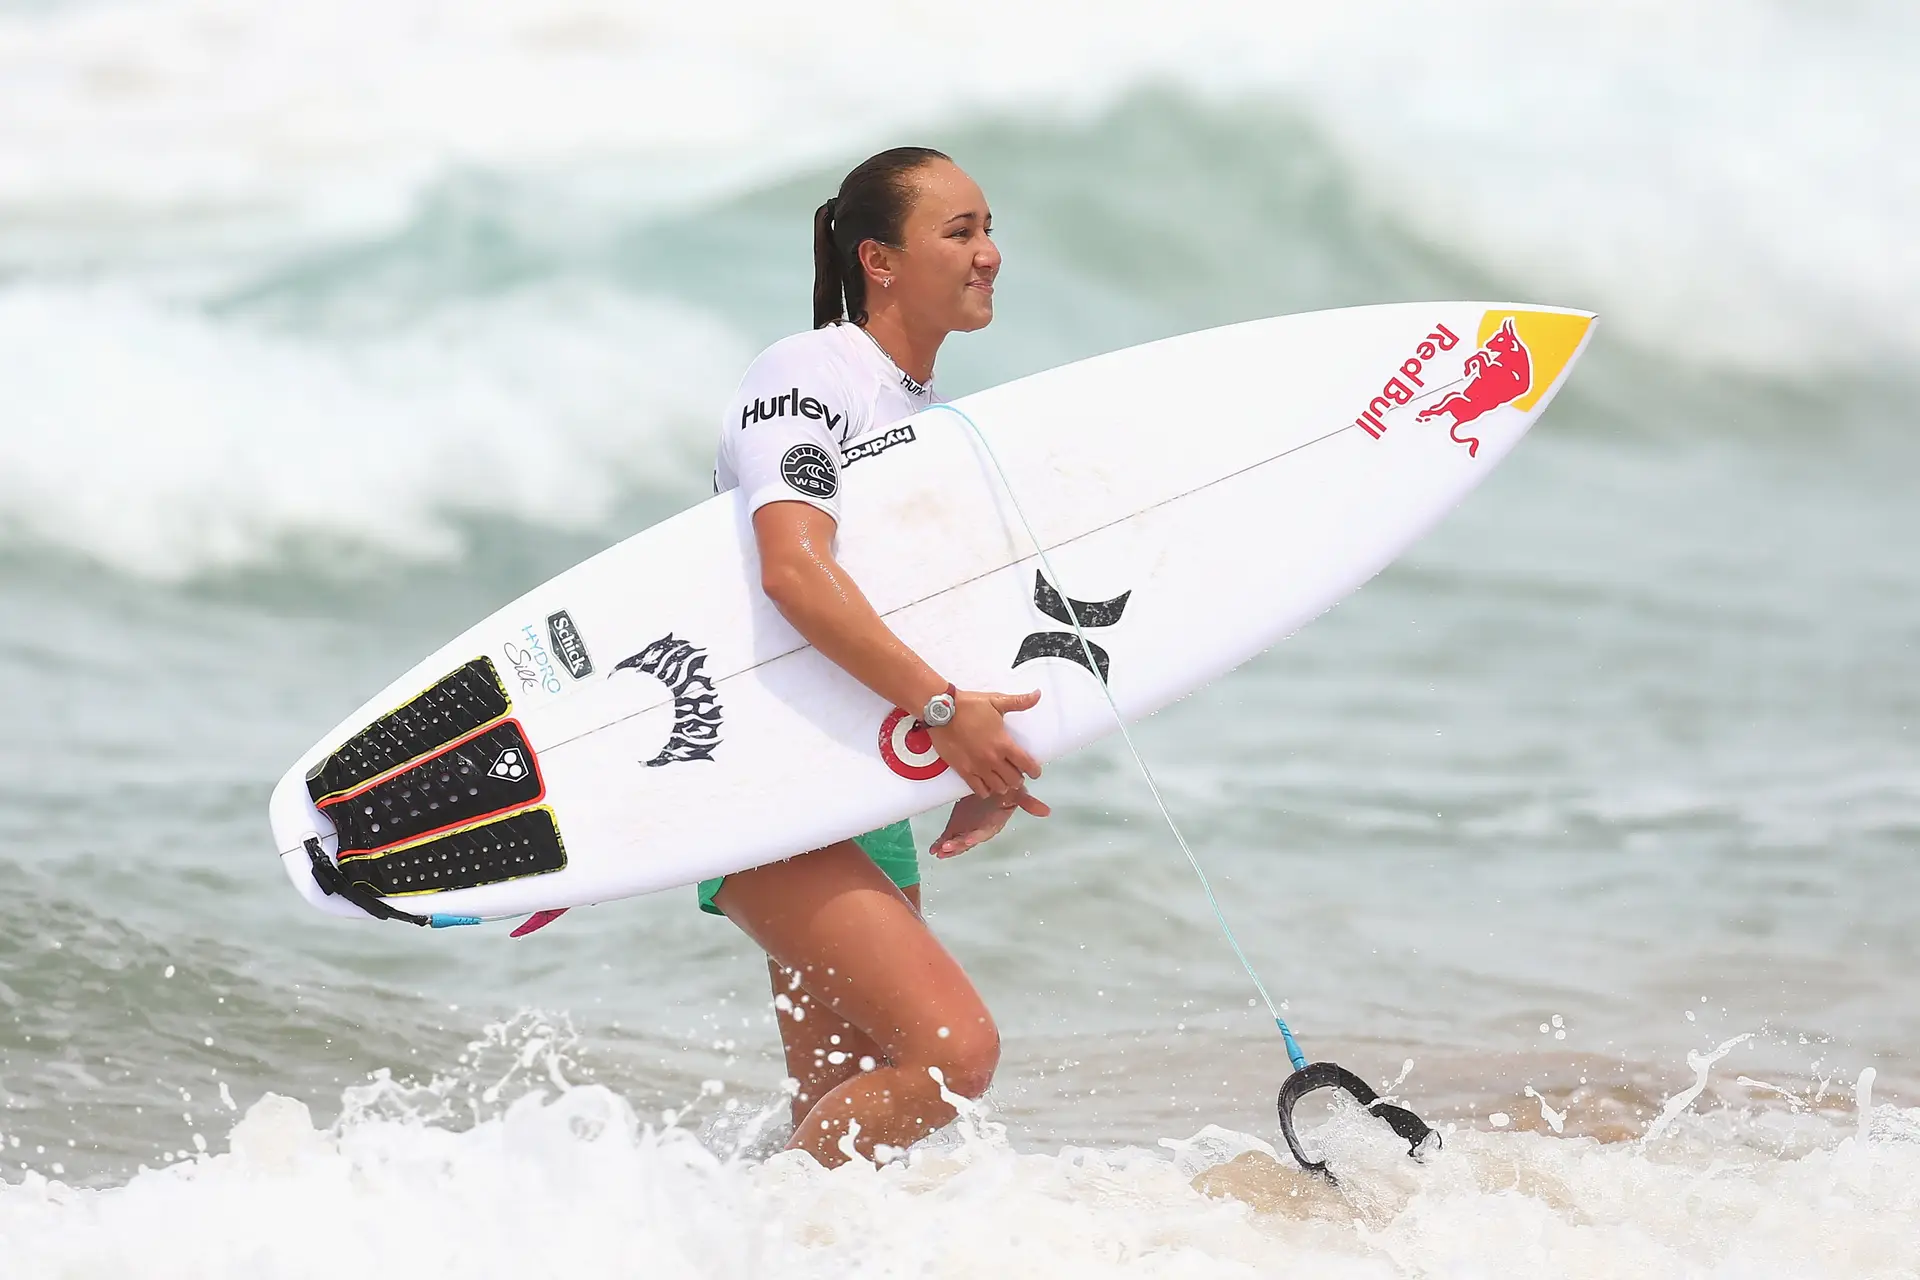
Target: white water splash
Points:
x,y
1702,1064
574,1182
578,1185
1863,1102
1556,1120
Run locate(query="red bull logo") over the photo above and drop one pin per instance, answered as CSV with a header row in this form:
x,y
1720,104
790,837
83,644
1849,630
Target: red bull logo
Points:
x,y
1520,355
1498,373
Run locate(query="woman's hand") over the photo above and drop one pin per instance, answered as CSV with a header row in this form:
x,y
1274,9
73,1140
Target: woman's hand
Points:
x,y
978,819
979,748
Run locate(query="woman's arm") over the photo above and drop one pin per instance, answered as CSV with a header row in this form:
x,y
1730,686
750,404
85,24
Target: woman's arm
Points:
x,y
818,598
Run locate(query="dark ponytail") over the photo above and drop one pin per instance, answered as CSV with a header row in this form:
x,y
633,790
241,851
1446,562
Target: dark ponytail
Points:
x,y
872,205
826,267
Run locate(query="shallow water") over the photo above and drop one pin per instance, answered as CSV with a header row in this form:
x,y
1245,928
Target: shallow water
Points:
x,y
1618,766
458,1179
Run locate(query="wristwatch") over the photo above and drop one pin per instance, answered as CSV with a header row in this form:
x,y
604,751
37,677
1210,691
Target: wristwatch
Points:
x,y
939,709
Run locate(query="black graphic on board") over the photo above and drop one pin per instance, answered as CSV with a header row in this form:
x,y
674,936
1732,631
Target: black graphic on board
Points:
x,y
489,773
1093,614
509,848
696,711
454,707
564,639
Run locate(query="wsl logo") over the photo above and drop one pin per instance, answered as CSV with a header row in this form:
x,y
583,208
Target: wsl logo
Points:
x,y
808,469
1093,615
565,640
696,710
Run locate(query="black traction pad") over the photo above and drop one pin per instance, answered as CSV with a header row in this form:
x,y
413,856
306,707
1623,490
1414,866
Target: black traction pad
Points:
x,y
488,774
510,848
458,704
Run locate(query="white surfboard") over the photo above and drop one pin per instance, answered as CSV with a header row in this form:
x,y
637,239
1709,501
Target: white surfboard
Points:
x,y
647,719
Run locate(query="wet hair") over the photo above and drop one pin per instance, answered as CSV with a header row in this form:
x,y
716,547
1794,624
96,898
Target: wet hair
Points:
x,y
872,204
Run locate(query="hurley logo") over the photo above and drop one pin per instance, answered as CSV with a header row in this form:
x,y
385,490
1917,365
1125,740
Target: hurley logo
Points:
x,y
1065,644
789,403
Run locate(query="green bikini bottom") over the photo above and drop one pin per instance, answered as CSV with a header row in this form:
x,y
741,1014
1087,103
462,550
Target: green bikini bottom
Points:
x,y
891,849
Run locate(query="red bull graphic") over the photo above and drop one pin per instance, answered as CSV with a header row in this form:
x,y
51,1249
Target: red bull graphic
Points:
x,y
1520,355
1498,373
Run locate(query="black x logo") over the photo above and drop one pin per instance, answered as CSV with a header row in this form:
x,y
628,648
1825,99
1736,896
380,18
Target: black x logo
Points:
x,y
1065,644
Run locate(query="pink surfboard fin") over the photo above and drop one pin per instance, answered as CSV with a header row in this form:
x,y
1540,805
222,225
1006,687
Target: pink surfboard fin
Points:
x,y
538,920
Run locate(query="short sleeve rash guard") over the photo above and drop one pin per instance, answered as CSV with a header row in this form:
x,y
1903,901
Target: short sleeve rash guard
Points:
x,y
801,403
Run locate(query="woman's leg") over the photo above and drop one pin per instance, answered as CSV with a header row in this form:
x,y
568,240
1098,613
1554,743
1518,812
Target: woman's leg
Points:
x,y
822,1048
863,952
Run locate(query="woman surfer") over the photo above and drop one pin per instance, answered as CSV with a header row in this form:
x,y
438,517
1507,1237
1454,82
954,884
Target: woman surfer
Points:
x,y
868,1002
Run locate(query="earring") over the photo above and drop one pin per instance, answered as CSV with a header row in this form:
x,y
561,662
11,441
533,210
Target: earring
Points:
x,y
887,283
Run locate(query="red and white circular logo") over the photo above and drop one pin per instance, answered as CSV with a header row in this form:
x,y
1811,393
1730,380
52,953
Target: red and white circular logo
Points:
x,y
907,748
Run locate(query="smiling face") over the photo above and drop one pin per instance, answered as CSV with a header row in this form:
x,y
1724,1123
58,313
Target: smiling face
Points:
x,y
942,272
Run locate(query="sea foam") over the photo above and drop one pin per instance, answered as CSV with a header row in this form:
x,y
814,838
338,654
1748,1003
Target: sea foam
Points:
x,y
573,1182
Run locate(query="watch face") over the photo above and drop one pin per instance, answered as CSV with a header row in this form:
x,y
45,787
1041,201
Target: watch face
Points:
x,y
939,710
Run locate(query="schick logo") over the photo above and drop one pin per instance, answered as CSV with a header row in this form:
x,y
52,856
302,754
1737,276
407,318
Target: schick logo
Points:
x,y
1092,614
566,642
790,402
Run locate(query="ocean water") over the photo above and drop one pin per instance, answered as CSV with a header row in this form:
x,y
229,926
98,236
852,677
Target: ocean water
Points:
x,y
1591,824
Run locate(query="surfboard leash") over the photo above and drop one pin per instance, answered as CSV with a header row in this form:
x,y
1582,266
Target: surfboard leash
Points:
x,y
1306,1077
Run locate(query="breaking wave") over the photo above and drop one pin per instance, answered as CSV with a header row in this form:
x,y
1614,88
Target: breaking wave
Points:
x,y
291,276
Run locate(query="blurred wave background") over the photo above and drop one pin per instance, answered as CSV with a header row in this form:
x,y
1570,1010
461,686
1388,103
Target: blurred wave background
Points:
x,y
326,328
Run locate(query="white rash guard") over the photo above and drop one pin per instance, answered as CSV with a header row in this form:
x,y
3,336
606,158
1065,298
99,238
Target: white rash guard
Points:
x,y
802,411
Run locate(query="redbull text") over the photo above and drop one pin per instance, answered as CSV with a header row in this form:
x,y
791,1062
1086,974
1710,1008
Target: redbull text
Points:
x,y
1397,392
